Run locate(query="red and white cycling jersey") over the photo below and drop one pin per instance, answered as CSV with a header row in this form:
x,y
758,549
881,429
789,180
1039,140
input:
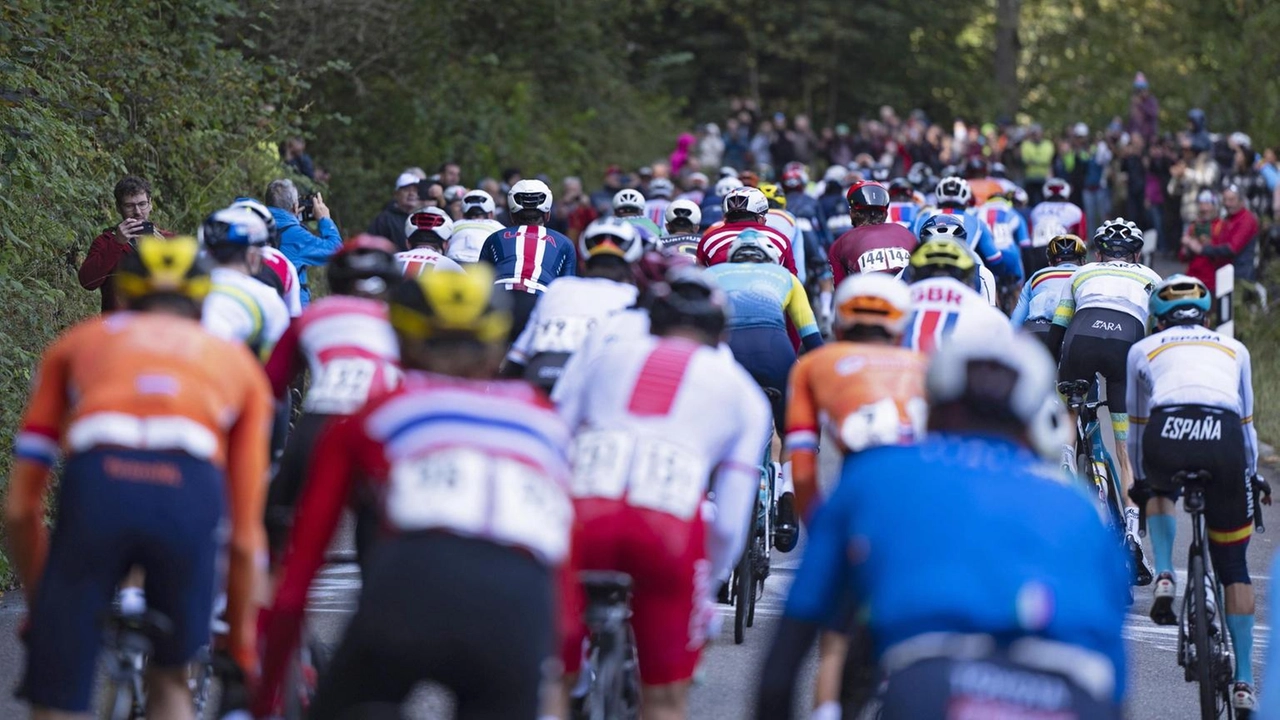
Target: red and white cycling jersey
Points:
x,y
944,307
349,346
418,260
1055,217
715,244
288,275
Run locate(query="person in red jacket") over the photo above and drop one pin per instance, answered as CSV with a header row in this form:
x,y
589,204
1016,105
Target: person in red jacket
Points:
x,y
1229,235
133,202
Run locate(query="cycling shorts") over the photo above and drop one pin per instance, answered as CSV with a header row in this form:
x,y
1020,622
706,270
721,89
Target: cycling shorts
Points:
x,y
766,353
522,302
1098,342
290,478
1198,437
665,557
116,509
468,614
1038,329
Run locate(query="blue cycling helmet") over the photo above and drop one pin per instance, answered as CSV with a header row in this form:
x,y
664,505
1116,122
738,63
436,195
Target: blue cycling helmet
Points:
x,y
1180,300
943,225
1118,238
238,226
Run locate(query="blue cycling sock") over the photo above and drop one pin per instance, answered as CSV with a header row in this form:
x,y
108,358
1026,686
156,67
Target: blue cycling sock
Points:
x,y
1162,529
1241,627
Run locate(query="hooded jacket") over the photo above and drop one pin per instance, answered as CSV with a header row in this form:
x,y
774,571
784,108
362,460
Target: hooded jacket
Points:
x,y
304,249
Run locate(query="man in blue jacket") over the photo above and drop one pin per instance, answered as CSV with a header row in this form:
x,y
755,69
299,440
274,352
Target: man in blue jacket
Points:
x,y
298,244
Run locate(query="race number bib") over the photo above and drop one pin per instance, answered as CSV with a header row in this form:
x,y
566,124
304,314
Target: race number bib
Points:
x,y
1003,233
342,387
563,335
1047,230
655,474
885,260
880,423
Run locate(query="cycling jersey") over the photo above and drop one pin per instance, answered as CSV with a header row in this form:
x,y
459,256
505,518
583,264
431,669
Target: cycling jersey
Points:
x,y
945,306
890,546
1055,217
656,209
1006,224
685,244
418,260
1112,285
903,213
528,258
765,295
785,223
648,229
468,238
984,189
882,248
288,274
803,208
981,239
245,310
864,395
716,241
1040,294
564,317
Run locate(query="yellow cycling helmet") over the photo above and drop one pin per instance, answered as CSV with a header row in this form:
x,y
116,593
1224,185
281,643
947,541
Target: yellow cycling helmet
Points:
x,y
453,305
942,256
774,194
1066,247
164,266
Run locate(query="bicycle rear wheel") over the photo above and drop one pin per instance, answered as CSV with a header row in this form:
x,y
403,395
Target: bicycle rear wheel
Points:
x,y
118,702
744,581
1200,637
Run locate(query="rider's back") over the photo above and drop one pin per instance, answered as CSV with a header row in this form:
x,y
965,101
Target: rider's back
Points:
x,y
943,307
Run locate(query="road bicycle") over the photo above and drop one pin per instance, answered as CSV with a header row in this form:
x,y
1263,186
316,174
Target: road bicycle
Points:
x,y
609,684
747,583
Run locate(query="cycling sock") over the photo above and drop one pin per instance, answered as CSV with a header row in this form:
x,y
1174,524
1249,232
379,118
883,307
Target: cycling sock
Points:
x,y
785,485
1162,529
1241,627
826,711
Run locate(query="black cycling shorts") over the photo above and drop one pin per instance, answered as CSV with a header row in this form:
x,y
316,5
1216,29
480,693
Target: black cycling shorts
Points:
x,y
1198,437
766,353
468,614
1098,342
1038,329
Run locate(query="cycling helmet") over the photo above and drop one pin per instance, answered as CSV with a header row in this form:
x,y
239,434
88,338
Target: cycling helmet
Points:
x,y
921,177
477,200
682,209
233,227
1066,247
998,170
1118,238
696,180
529,195
975,168
794,179
943,256
749,178
900,189
867,195
451,306
653,267
365,264
687,298
875,299
726,185
611,236
835,174
881,173
628,199
164,266
1057,189
952,190
661,188
1180,300
943,225
773,193
257,208
727,172
753,246
746,200
432,219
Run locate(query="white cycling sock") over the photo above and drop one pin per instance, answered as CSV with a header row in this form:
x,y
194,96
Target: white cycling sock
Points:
x,y
132,601
786,486
826,711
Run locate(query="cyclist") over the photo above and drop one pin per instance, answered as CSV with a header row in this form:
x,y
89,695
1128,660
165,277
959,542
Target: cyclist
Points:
x,y
240,307
1191,394
165,427
655,206
873,245
903,206
470,475
1101,314
713,202
1043,637
784,222
745,208
942,272
647,399
983,186
629,205
1040,294
683,219
983,280
273,260
476,225
795,182
572,308
954,197
924,182
428,233
346,343
1006,223
866,391
1057,215
528,257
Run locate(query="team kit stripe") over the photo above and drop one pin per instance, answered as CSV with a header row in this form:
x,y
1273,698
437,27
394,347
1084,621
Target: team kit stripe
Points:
x,y
1205,343
1231,537
1051,275
36,446
660,378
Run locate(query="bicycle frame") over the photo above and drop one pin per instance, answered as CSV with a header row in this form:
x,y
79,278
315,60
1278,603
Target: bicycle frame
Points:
x,y
1203,584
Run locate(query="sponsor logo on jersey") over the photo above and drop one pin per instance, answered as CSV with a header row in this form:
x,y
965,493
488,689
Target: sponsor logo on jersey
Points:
x,y
1176,428
1108,326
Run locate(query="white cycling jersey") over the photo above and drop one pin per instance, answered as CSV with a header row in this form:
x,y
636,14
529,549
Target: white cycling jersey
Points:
x,y
640,422
469,236
1052,218
1191,365
243,309
1113,285
943,307
567,313
416,261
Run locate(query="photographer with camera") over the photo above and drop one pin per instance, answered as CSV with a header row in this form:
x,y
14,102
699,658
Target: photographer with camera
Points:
x,y
303,248
133,202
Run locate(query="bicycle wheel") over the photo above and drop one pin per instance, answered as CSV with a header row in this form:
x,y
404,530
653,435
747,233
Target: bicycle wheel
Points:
x,y
118,701
756,550
743,582
1200,638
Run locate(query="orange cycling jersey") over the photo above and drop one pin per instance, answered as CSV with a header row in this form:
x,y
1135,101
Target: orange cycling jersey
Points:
x,y
151,382
867,395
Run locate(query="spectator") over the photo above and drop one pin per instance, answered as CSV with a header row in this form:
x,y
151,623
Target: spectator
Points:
x,y
1073,162
500,213
133,202
1194,172
736,141
1269,170
803,141
1133,167
1212,242
450,174
572,212
430,193
390,222
781,148
602,199
295,156
510,177
1097,190
1240,232
710,148
1144,110
299,245
840,147
1244,172
679,158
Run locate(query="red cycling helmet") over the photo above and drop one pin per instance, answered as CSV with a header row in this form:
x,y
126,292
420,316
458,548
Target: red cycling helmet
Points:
x,y
867,195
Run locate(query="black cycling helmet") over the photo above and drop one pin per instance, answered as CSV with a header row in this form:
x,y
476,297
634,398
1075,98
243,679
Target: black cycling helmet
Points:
x,y
900,189
1118,238
687,298
975,168
365,264
1066,247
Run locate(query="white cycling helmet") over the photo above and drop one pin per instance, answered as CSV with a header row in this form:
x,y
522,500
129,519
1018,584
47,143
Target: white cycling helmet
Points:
x,y
477,199
746,199
628,199
877,299
661,188
529,195
611,236
953,189
429,218
754,240
1057,188
726,185
683,209
728,172
696,180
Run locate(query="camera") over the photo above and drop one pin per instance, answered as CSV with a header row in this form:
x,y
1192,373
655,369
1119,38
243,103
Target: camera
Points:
x,y
308,207
146,228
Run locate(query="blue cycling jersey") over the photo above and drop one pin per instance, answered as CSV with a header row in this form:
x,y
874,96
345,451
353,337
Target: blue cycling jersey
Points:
x,y
1040,294
764,295
529,257
1008,264
966,534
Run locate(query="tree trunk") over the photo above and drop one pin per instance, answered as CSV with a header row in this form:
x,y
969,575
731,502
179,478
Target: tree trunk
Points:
x,y
1007,48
